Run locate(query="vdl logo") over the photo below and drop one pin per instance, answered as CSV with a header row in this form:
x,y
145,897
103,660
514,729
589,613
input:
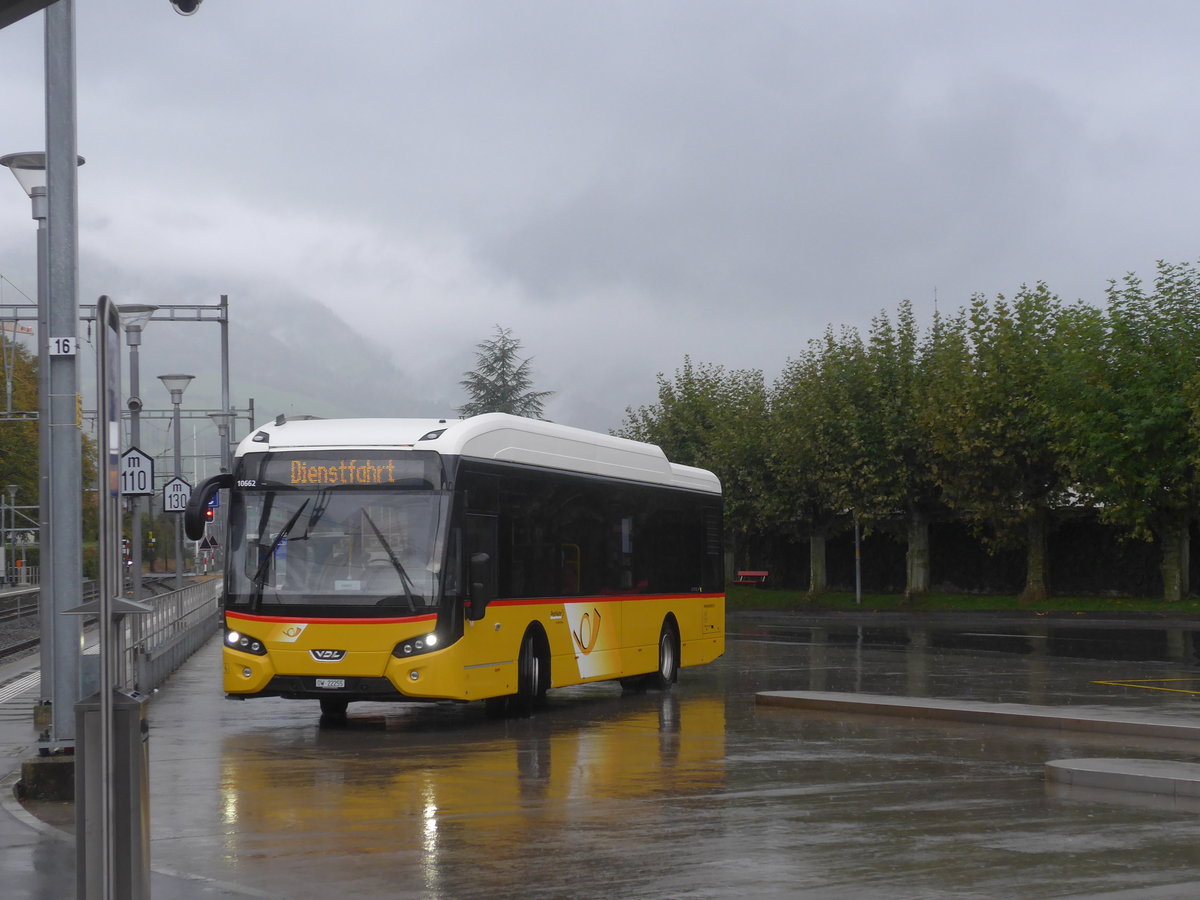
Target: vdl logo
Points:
x,y
328,655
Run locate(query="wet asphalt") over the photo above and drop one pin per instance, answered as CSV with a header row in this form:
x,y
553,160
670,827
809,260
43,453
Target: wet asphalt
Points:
x,y
696,793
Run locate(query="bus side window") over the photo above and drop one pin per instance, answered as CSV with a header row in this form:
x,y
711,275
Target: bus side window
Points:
x,y
481,563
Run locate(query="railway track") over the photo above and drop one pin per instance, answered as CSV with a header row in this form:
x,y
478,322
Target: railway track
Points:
x,y
19,628
18,606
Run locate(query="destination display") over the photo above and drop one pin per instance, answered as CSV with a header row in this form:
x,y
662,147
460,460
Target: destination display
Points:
x,y
347,469
344,471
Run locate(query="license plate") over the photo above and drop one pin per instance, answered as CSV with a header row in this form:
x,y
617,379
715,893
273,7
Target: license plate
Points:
x,y
331,683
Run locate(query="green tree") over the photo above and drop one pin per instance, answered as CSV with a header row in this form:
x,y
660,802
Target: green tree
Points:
x,y
18,437
686,416
851,444
1128,426
990,414
900,475
815,403
501,380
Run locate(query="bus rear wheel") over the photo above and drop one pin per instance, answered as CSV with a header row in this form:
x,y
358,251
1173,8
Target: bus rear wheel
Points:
x,y
668,665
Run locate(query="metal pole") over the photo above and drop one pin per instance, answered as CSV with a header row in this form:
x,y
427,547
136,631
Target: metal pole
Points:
x,y
857,563
134,338
108,391
47,619
9,536
225,455
65,562
176,399
12,530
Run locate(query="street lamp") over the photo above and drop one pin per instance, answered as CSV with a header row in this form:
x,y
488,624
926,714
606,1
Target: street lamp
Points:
x,y
177,384
135,316
222,421
29,169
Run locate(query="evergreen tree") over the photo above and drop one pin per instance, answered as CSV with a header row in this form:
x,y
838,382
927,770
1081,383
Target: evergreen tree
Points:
x,y
501,381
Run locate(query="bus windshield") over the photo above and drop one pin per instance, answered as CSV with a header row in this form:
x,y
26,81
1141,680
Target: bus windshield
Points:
x,y
351,549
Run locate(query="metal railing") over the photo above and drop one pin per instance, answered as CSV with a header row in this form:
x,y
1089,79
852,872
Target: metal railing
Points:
x,y
21,576
161,640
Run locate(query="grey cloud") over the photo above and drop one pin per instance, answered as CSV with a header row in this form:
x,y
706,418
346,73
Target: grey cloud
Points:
x,y
727,178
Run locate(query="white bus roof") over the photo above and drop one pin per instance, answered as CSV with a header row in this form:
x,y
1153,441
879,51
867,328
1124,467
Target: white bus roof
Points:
x,y
494,436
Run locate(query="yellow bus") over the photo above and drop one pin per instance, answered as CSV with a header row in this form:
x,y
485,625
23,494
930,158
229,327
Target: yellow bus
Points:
x,y
488,558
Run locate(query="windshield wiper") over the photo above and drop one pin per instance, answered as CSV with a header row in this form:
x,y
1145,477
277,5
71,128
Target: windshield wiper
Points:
x,y
260,574
405,581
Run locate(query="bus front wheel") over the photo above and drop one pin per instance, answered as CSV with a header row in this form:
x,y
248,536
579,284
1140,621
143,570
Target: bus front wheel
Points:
x,y
668,659
533,678
334,708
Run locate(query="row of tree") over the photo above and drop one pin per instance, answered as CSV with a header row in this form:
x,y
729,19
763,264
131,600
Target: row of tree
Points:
x,y
1006,414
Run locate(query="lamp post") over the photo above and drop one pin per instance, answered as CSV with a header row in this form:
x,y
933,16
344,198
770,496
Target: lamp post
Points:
x,y
135,316
222,421
177,384
60,510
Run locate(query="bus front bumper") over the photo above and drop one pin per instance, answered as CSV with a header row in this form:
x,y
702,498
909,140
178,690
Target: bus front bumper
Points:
x,y
365,676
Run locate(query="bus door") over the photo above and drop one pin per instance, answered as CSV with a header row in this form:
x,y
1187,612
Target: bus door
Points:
x,y
490,658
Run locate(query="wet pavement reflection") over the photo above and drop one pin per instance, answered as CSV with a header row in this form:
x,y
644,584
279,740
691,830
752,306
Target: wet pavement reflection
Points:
x,y
694,793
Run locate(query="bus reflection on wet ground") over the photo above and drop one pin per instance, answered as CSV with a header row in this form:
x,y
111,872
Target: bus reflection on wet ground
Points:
x,y
694,793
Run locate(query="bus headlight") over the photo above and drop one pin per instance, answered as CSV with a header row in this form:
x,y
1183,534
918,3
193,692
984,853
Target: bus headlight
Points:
x,y
235,640
416,646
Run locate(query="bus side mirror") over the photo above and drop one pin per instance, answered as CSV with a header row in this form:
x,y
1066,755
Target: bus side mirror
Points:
x,y
481,591
193,516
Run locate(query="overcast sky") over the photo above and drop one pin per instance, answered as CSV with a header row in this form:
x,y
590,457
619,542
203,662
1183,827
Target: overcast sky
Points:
x,y
620,183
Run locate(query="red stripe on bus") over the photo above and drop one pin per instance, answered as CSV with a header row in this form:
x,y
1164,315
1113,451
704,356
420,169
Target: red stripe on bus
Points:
x,y
521,601
600,598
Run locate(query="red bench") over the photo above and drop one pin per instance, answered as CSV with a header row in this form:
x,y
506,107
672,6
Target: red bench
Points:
x,y
751,577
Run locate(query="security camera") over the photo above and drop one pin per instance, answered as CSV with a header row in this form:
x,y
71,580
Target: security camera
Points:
x,y
186,7
134,404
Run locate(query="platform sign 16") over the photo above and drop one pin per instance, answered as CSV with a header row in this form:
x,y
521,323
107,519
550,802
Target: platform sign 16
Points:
x,y
64,346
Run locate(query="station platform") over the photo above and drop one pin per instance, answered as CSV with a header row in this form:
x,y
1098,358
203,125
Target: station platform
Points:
x,y
37,839
1177,782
